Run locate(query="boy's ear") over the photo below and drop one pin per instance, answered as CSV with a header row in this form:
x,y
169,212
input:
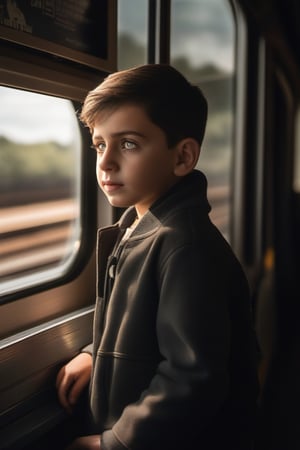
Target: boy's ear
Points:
x,y
187,154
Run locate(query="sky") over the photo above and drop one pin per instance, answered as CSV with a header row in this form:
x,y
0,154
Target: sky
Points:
x,y
203,31
27,117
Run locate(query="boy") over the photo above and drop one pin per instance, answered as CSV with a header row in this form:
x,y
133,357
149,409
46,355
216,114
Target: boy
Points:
x,y
173,364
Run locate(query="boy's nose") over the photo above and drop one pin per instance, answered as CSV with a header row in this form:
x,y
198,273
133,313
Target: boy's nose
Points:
x,y
107,161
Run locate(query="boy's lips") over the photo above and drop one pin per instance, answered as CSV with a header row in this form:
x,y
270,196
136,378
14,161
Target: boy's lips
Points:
x,y
110,186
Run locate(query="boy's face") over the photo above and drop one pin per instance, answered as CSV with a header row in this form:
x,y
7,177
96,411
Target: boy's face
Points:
x,y
134,164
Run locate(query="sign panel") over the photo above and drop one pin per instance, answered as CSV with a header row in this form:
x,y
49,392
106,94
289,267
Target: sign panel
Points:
x,y
83,31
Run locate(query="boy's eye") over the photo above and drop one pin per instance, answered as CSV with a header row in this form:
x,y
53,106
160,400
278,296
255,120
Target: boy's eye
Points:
x,y
100,148
129,145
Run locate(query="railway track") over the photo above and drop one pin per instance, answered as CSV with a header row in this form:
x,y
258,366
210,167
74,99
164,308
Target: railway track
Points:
x,y
36,235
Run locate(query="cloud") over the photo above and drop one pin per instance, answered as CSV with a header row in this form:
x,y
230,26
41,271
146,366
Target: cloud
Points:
x,y
203,32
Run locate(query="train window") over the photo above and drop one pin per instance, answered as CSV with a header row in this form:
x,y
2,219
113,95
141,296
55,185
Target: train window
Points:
x,y
40,148
133,33
297,155
202,48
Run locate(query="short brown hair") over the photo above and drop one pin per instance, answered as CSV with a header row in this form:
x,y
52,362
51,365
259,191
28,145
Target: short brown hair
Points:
x,y
170,101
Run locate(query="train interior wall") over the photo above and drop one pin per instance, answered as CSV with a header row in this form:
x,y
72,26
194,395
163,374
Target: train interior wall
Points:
x,y
276,300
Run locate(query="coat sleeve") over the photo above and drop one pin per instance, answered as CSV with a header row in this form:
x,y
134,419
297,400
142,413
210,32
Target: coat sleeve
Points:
x,y
87,349
192,381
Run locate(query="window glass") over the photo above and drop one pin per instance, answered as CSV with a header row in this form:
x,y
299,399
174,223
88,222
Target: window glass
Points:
x,y
40,148
297,155
132,33
202,48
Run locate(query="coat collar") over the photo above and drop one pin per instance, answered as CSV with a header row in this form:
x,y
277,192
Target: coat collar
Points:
x,y
189,191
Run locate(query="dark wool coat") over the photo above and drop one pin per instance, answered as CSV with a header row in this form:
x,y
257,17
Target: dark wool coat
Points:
x,y
174,351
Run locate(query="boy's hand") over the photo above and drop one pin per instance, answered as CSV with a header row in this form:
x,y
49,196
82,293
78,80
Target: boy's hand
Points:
x,y
86,443
72,379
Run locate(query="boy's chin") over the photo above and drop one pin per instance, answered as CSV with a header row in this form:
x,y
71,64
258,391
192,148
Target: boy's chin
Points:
x,y
117,204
